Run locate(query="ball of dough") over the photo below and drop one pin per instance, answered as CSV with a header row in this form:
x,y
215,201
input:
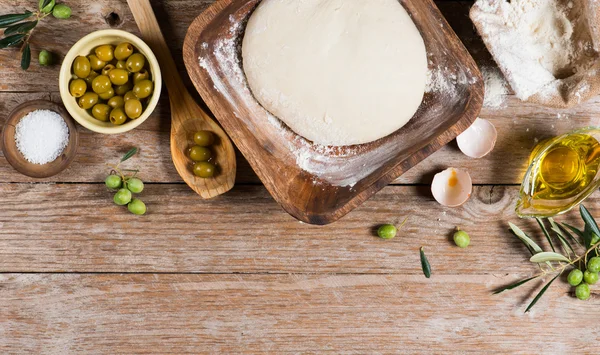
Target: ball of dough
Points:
x,y
337,72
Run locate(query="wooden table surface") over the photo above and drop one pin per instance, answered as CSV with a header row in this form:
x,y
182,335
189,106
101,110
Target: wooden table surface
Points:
x,y
237,274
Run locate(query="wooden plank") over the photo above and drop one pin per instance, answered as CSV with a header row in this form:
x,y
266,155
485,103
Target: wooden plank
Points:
x,y
77,228
519,125
341,314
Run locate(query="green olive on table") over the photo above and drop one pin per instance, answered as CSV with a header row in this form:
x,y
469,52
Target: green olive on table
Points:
x,y
594,264
133,108
143,89
204,138
204,169
101,84
101,112
113,182
116,102
117,116
575,277
135,185
88,100
198,153
118,76
387,231
121,65
141,75
137,207
107,68
105,52
590,278
123,51
121,90
61,11
136,62
122,197
582,291
107,95
45,58
77,87
461,239
95,62
81,67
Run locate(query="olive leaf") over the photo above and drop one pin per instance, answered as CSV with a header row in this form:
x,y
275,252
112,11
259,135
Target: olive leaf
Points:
x,y
562,237
11,41
590,224
7,20
26,57
43,4
548,256
540,294
530,244
514,285
22,27
568,234
543,227
129,154
425,264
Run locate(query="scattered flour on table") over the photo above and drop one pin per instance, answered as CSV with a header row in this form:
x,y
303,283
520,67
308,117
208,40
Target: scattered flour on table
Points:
x,y
535,42
496,88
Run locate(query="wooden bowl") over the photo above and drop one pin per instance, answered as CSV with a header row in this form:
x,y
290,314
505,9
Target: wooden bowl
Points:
x,y
84,47
317,184
14,156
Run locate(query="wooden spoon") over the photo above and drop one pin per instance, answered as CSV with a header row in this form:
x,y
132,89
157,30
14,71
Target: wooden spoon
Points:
x,y
186,116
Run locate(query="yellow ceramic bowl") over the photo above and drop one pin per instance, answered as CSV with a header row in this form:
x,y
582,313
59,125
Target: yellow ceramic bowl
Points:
x,y
84,47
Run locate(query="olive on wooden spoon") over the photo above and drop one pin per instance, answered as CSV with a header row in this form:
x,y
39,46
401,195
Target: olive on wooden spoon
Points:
x,y
187,117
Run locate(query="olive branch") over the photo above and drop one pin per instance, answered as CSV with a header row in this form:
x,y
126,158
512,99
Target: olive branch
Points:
x,y
18,28
554,263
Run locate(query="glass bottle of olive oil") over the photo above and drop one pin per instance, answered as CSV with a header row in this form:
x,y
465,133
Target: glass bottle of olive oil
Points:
x,y
563,171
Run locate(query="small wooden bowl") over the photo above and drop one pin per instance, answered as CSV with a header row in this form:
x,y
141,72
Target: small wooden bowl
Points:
x,y
319,185
14,156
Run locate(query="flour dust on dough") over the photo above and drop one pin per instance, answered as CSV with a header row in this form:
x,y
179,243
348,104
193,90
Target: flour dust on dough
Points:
x,y
337,72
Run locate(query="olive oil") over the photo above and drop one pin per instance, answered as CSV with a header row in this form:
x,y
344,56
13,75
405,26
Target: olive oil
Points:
x,y
568,167
563,171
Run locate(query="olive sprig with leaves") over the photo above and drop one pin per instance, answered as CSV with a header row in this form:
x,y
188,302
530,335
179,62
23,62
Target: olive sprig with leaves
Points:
x,y
18,28
576,254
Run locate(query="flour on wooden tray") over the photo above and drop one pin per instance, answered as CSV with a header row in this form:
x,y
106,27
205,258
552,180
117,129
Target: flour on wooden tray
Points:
x,y
536,43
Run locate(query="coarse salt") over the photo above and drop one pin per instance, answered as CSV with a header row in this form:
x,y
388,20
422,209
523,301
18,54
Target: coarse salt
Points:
x,y
41,136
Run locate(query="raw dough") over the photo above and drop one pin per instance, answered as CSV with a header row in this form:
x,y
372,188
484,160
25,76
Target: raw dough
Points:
x,y
337,72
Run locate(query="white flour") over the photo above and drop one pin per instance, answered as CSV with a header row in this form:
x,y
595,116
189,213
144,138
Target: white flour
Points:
x,y
533,41
495,87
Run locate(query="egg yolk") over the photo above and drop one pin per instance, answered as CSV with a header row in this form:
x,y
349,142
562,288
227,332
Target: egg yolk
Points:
x,y
453,181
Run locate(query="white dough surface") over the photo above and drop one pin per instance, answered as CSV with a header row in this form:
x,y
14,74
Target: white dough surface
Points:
x,y
337,72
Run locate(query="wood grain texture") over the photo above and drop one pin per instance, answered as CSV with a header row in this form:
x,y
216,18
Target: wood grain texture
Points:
x,y
338,314
297,288
77,228
519,126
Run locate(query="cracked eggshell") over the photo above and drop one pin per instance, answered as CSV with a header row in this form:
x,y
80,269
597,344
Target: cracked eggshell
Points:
x,y
479,139
452,187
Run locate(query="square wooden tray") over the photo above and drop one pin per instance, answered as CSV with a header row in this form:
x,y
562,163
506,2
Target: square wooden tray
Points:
x,y
317,184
